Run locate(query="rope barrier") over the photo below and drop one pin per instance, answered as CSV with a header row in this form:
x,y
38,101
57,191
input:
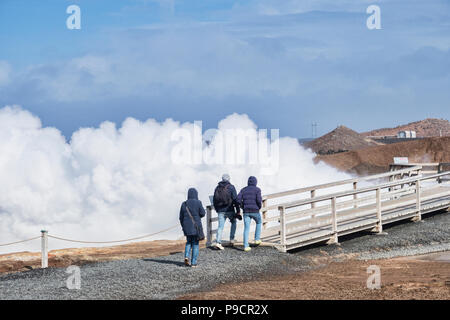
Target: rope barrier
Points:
x,y
114,241
8,244
81,241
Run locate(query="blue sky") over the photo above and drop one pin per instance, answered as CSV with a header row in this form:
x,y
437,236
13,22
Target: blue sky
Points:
x,y
284,63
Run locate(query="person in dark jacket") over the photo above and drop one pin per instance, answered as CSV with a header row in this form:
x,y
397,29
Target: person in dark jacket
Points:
x,y
249,198
192,225
227,208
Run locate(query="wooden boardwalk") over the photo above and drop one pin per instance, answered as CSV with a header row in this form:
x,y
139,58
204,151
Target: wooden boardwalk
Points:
x,y
291,223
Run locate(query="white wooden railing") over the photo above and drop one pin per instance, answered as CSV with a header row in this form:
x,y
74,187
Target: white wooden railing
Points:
x,y
269,210
289,221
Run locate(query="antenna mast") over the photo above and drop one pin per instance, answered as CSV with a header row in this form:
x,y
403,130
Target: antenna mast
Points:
x,y
313,130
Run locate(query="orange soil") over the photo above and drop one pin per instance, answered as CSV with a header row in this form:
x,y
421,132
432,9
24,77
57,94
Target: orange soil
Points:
x,y
401,278
22,261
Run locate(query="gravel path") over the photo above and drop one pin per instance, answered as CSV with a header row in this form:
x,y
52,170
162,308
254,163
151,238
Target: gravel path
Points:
x,y
167,278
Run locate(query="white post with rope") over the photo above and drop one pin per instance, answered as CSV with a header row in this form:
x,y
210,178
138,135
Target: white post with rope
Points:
x,y
44,249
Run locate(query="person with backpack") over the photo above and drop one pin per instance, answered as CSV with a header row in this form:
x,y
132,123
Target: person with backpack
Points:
x,y
191,212
249,198
226,206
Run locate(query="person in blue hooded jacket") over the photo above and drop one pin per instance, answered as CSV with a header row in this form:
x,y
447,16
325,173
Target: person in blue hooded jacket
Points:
x,y
191,212
250,200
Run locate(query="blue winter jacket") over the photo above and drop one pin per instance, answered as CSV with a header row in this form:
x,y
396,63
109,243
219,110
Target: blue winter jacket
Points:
x,y
249,198
197,212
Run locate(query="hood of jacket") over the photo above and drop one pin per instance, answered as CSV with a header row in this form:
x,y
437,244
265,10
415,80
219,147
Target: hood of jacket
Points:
x,y
252,181
192,194
224,183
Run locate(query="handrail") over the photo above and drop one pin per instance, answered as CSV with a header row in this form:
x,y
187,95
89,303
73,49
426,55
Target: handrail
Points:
x,y
334,184
411,164
343,204
425,164
411,177
341,182
361,190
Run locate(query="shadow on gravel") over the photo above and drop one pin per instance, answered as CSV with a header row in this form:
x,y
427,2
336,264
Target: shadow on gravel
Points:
x,y
177,263
309,247
238,248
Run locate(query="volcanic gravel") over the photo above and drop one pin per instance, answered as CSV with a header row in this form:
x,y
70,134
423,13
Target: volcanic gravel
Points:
x,y
167,277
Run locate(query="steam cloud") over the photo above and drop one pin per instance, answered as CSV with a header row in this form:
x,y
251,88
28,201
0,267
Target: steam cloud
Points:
x,y
112,183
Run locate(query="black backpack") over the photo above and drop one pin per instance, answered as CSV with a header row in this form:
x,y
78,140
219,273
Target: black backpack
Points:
x,y
222,197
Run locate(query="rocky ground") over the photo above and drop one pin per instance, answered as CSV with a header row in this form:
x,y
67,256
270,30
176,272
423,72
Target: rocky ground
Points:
x,y
165,277
423,128
401,278
376,159
339,140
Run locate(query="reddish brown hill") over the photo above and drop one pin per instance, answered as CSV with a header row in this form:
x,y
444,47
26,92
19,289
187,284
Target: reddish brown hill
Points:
x,y
338,140
424,128
377,158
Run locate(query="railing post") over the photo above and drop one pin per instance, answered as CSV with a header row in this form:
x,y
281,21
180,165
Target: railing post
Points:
x,y
264,215
355,196
282,227
44,249
379,227
391,178
208,226
418,216
313,204
334,236
313,194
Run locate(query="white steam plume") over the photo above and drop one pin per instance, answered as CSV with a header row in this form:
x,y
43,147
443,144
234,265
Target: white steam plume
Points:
x,y
113,183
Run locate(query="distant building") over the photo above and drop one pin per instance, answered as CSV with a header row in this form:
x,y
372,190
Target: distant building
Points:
x,y
406,134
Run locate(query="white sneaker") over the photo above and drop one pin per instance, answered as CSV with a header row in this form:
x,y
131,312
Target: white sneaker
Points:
x,y
219,246
232,242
